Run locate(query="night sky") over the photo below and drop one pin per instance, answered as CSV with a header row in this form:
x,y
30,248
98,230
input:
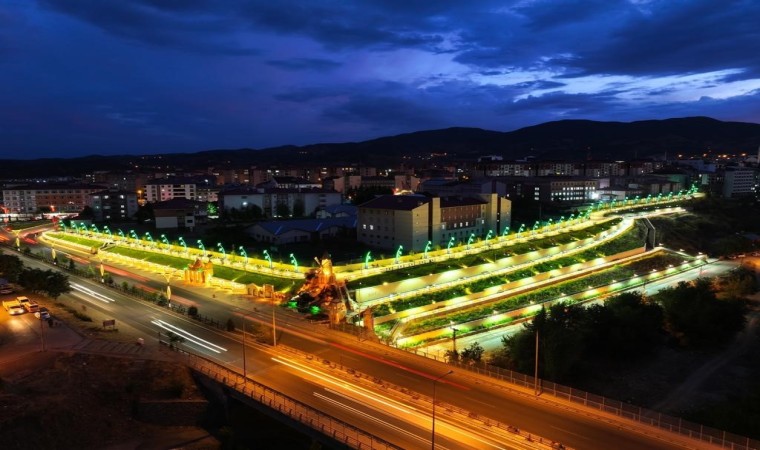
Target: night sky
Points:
x,y
105,77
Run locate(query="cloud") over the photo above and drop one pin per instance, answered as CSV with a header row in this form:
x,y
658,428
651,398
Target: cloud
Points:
x,y
305,64
159,26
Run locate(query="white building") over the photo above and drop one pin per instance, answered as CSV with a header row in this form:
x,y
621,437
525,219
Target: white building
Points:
x,y
738,182
160,190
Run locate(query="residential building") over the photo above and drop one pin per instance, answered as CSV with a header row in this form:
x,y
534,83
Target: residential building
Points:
x,y
390,221
179,213
60,198
113,205
550,189
738,182
162,189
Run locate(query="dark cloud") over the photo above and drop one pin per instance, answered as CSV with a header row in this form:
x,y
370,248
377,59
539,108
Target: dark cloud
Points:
x,y
133,76
144,22
305,64
680,37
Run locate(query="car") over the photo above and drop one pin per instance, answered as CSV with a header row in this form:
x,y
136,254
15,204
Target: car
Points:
x,y
42,314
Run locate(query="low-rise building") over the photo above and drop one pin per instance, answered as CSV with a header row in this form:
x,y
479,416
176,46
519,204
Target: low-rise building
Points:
x,y
60,198
278,202
411,221
304,230
179,213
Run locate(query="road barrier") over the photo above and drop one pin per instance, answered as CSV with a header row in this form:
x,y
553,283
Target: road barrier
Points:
x,y
620,409
335,429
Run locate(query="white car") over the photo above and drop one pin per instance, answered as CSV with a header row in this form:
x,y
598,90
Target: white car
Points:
x,y
42,314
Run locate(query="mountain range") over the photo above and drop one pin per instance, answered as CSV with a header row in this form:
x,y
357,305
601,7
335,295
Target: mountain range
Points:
x,y
565,139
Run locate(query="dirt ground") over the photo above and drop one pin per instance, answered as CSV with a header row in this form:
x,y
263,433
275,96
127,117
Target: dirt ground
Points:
x,y
81,392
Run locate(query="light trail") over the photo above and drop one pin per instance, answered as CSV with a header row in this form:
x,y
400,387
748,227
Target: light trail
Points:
x,y
368,416
384,401
91,293
188,336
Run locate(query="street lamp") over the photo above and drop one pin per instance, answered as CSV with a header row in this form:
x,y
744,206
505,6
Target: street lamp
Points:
x,y
294,261
367,257
181,240
427,249
451,242
470,239
201,246
245,255
454,340
267,257
432,433
398,253
220,247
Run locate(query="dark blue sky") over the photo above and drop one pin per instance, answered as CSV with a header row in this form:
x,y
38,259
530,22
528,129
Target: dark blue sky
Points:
x,y
147,76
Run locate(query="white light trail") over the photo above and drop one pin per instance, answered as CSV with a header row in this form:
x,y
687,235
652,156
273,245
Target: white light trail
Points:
x,y
91,293
188,336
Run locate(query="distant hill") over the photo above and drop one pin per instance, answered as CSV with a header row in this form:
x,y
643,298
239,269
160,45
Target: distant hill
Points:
x,y
565,139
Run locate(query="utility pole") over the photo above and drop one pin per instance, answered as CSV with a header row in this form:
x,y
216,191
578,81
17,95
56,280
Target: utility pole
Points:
x,y
535,377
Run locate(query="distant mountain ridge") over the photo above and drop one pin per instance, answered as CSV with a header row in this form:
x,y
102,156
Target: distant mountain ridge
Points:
x,y
564,139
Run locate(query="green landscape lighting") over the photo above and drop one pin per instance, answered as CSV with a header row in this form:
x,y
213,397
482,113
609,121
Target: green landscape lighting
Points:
x,y
108,230
367,257
181,240
314,310
94,228
220,247
121,235
294,261
267,257
470,239
488,236
133,235
201,246
427,249
506,231
398,253
451,242
245,255
63,225
165,240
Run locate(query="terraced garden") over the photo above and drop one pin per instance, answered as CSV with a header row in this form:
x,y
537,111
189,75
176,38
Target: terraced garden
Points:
x,y
538,296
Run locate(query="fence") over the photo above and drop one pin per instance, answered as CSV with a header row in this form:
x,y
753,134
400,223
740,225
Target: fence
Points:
x,y
624,410
300,412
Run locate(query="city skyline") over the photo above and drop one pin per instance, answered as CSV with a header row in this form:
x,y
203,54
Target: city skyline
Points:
x,y
111,77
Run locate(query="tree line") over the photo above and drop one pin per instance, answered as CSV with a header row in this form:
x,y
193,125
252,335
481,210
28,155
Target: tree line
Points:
x,y
702,314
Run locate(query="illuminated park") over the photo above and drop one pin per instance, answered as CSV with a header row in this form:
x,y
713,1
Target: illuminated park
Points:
x,y
410,300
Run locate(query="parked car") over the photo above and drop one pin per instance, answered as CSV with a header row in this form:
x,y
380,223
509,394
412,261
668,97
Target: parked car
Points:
x,y
42,314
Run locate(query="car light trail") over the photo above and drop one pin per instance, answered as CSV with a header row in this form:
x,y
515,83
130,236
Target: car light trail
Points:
x,y
384,401
188,336
370,417
91,293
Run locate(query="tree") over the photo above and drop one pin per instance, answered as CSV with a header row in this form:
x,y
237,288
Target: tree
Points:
x,y
282,210
696,317
473,353
625,326
299,208
50,282
145,213
10,267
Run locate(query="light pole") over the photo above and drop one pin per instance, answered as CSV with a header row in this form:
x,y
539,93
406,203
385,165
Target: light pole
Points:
x,y
274,324
267,257
435,382
535,376
245,256
398,253
454,340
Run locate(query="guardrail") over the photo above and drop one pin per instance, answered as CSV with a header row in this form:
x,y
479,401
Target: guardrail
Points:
x,y
324,423
623,410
